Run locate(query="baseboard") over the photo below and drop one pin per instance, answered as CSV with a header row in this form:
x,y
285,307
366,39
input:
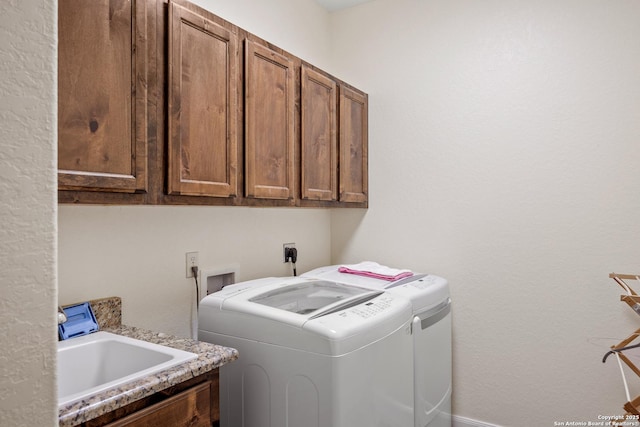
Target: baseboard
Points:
x,y
457,421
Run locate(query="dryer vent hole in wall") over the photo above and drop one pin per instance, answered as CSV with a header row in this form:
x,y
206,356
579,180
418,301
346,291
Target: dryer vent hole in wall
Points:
x,y
216,282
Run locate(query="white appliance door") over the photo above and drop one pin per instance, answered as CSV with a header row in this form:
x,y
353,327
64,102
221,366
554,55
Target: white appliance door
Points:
x,y
432,366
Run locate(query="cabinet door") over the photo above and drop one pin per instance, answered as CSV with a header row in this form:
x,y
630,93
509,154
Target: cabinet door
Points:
x,y
319,140
102,96
202,152
353,146
191,408
269,127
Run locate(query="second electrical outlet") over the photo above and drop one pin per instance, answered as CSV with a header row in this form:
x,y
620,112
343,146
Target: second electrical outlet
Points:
x,y
191,261
285,247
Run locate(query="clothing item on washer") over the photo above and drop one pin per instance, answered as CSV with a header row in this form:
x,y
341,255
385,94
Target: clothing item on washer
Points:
x,y
312,353
375,270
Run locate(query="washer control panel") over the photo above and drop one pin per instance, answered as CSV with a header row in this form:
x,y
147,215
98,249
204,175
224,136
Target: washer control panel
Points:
x,y
372,308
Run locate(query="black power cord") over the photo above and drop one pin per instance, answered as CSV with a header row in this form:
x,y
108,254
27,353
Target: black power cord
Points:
x,y
291,254
194,269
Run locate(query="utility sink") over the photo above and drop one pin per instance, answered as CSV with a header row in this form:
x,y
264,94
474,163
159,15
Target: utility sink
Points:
x,y
93,363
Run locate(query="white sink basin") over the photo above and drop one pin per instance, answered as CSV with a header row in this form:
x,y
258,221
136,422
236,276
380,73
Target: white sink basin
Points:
x,y
102,360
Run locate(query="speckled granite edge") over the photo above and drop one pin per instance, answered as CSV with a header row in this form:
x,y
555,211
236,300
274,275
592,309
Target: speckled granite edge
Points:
x,y
210,357
108,311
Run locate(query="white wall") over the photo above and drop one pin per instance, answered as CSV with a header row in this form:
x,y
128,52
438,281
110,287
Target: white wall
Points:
x,y
299,27
138,252
504,156
27,213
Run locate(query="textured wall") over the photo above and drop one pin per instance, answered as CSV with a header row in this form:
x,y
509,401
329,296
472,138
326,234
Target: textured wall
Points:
x,y
27,213
504,156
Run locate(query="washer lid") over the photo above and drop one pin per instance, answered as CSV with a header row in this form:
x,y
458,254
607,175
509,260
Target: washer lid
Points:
x,y
308,297
294,301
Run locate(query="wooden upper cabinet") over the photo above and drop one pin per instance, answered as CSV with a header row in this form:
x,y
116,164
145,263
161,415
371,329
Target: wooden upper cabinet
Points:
x,y
353,146
319,139
202,112
102,95
161,101
269,123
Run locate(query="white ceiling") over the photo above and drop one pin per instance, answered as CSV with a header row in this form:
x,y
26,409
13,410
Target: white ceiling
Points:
x,y
333,5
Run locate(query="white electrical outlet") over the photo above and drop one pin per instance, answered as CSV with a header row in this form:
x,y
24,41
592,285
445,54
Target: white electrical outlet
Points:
x,y
191,261
286,246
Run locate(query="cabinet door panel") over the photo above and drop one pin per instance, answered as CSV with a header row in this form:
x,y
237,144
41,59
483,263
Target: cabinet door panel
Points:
x,y
269,126
202,106
191,408
353,146
319,139
102,95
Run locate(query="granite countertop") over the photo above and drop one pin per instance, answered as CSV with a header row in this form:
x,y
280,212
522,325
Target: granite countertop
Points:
x,y
210,357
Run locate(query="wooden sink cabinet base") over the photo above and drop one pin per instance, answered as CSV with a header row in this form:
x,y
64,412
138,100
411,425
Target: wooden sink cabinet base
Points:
x,y
193,403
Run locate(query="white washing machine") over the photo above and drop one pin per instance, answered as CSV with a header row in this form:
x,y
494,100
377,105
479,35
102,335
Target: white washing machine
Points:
x,y
312,354
431,330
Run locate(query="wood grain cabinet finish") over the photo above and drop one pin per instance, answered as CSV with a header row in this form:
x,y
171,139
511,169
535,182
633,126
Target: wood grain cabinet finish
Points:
x,y
159,102
269,123
102,95
202,93
353,146
191,408
194,402
319,145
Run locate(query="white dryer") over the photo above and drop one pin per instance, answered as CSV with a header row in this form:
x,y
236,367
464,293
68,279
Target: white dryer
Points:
x,y
312,354
431,330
